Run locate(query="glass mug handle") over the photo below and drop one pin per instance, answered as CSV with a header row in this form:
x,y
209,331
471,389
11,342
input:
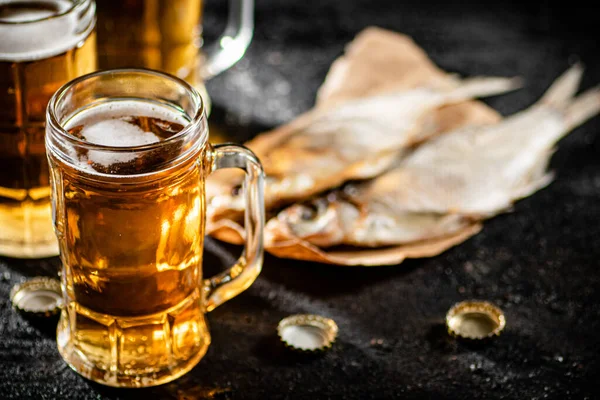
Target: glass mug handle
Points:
x,y
240,276
232,44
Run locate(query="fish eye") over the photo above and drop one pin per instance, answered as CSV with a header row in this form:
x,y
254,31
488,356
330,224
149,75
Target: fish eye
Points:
x,y
236,190
309,212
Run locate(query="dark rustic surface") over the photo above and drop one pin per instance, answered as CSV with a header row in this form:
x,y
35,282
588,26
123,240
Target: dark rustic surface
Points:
x,y
540,263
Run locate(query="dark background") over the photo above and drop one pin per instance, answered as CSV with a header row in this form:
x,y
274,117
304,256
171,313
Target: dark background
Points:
x,y
539,263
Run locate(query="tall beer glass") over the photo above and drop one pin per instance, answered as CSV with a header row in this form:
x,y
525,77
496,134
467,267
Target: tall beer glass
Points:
x,y
129,156
43,45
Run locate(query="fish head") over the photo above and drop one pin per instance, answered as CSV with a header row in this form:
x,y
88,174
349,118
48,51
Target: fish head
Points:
x,y
224,195
321,222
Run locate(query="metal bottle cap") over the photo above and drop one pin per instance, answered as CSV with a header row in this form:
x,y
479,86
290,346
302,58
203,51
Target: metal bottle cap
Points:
x,y
39,296
307,332
475,320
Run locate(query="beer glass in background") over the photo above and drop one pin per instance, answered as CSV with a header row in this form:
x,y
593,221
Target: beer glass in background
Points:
x,y
129,156
166,35
43,45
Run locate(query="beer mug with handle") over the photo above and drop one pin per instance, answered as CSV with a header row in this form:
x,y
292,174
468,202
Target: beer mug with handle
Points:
x,y
166,35
129,156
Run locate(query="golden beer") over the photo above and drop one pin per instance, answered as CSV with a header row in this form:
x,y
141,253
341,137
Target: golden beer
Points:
x,y
129,156
136,279
43,45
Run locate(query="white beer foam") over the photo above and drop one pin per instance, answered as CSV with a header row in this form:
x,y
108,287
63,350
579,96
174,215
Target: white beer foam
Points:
x,y
116,133
34,37
105,125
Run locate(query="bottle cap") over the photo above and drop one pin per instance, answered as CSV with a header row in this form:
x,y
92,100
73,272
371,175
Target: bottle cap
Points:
x,y
475,320
307,332
39,296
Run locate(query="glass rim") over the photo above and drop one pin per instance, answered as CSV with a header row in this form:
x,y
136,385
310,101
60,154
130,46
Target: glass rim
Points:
x,y
74,4
57,127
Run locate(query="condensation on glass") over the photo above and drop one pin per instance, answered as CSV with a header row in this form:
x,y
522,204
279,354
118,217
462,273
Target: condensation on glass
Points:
x,y
129,157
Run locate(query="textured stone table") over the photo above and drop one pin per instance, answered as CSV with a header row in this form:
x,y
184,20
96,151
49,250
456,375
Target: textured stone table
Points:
x,y
539,263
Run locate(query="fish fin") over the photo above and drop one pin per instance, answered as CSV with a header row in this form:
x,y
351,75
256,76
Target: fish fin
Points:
x,y
582,108
540,183
482,86
537,178
562,91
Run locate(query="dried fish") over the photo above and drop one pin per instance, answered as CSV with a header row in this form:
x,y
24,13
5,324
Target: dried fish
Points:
x,y
446,119
379,61
357,139
447,184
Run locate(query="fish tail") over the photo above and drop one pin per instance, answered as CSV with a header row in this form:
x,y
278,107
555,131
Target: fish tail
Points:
x,y
582,108
562,91
482,86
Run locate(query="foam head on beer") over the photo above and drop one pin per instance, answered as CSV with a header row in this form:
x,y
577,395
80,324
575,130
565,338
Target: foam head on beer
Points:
x,y
125,124
38,36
